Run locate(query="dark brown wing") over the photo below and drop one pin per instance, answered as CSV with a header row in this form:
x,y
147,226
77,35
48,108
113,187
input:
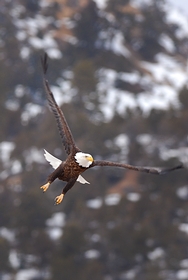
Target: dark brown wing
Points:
x,y
157,171
63,127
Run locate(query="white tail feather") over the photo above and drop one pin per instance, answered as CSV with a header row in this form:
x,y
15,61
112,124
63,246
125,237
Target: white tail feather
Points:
x,y
82,180
55,162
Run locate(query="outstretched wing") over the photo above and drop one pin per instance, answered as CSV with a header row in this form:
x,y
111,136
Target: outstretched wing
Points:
x,y
156,171
63,127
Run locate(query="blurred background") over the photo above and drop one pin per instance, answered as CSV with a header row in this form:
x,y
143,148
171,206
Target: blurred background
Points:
x,y
118,69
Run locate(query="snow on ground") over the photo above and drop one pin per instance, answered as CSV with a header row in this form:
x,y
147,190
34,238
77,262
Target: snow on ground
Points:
x,y
174,16
55,225
101,4
180,153
167,43
109,200
182,192
10,166
184,227
156,253
182,274
113,40
92,254
34,155
30,111
134,197
28,29
94,203
162,83
27,274
112,199
8,234
6,149
14,259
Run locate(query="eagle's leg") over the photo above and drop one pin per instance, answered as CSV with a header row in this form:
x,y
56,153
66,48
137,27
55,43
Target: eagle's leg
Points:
x,y
57,172
67,187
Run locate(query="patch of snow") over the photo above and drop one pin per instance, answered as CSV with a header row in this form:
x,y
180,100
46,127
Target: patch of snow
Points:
x,y
57,220
174,16
144,139
25,52
20,91
92,254
167,76
184,263
17,11
118,45
6,149
21,35
134,197
4,174
156,253
95,203
101,4
167,43
184,227
14,259
55,233
16,167
64,93
122,140
33,155
54,53
8,234
30,111
6,276
116,100
112,199
33,25
95,237
161,98
55,225
139,3
176,73
128,275
182,274
114,41
46,42
12,105
180,153
182,192
27,274
132,78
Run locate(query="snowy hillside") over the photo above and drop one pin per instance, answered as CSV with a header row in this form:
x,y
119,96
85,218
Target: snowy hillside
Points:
x,y
118,69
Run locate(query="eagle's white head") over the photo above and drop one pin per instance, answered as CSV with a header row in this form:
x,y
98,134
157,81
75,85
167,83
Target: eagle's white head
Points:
x,y
84,160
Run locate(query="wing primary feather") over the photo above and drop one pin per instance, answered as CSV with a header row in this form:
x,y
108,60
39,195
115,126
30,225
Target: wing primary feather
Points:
x,y
63,127
44,63
151,170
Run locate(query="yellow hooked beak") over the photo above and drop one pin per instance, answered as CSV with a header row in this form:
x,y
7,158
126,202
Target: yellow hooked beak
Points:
x,y
90,158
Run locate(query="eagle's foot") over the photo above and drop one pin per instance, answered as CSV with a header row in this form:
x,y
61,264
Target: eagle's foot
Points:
x,y
59,199
45,187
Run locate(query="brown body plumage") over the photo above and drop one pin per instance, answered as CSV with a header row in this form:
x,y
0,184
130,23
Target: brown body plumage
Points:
x,y
77,162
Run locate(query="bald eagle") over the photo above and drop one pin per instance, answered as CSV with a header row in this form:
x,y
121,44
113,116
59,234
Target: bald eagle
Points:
x,y
77,162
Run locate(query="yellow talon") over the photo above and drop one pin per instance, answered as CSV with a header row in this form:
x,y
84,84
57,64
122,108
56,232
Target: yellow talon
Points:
x,y
45,187
59,199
